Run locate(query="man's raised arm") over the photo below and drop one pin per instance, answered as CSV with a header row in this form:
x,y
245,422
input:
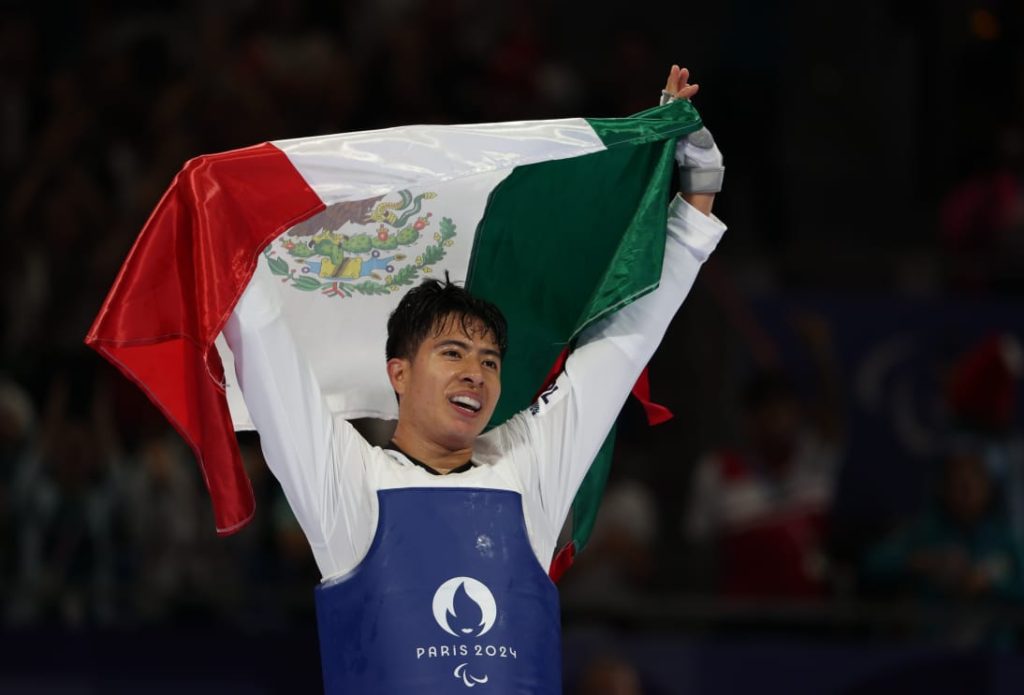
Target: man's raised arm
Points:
x,y
571,420
317,458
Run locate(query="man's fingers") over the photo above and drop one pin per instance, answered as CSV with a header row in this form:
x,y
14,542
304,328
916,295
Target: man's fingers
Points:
x,y
673,77
678,83
681,79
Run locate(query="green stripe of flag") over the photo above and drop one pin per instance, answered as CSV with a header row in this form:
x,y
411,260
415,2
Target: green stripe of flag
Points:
x,y
553,231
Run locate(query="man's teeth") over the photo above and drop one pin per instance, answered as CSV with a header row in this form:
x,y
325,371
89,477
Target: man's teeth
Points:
x,y
466,401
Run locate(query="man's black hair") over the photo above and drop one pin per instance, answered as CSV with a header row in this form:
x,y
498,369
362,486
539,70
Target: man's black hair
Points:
x,y
426,309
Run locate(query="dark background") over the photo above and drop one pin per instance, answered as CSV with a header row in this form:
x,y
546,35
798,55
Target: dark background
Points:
x,y
875,199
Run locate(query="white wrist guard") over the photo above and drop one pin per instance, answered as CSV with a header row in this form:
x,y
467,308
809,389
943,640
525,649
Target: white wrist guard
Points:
x,y
701,168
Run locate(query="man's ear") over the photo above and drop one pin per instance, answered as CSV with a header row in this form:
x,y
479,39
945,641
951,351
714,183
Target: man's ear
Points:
x,y
398,374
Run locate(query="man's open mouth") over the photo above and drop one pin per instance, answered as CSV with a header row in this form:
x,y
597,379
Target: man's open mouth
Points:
x,y
467,404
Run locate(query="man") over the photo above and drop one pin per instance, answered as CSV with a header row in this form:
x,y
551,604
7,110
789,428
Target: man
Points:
x,y
434,552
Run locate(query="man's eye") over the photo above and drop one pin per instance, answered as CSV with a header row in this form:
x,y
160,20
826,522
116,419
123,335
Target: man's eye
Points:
x,y
490,364
451,353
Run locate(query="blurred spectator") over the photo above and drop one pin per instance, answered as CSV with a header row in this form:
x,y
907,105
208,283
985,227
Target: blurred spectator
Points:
x,y
66,502
163,497
294,572
982,221
982,396
960,550
17,424
272,573
982,392
619,558
759,509
609,675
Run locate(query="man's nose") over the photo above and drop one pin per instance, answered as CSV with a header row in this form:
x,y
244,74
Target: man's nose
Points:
x,y
473,376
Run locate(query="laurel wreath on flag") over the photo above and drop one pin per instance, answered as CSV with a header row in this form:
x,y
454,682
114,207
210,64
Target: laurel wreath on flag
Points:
x,y
406,275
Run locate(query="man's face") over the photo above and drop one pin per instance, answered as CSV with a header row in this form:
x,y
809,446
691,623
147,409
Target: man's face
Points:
x,y
448,391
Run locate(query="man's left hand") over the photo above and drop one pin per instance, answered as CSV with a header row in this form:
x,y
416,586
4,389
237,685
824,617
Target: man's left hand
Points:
x,y
699,159
678,85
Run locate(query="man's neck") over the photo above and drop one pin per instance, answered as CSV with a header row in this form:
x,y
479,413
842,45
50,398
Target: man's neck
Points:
x,y
437,457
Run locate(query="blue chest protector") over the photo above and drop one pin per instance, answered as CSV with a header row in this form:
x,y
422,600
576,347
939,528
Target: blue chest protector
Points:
x,y
449,597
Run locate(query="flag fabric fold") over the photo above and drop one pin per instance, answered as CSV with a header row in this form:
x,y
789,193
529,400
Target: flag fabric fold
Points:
x,y
558,222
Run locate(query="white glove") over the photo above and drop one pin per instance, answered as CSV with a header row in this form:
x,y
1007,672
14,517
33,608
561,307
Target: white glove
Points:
x,y
701,168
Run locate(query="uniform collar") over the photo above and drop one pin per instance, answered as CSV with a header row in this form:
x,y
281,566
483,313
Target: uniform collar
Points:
x,y
468,465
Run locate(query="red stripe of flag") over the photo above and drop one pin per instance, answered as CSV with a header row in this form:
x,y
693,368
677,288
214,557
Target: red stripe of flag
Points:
x,y
193,259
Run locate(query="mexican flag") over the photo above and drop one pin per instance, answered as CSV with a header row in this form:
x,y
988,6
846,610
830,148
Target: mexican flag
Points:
x,y
557,222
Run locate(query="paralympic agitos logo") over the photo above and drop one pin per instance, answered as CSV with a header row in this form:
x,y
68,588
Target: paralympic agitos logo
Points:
x,y
465,608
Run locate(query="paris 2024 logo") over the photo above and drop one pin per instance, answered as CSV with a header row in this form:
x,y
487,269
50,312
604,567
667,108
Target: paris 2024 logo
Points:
x,y
465,608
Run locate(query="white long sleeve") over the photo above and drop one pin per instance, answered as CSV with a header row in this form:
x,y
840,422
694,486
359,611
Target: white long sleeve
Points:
x,y
319,460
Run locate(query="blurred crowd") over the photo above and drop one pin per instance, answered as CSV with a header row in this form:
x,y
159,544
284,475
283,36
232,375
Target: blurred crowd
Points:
x,y
103,516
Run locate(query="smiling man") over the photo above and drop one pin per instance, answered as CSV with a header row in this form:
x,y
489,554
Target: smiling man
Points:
x,y
435,551
444,355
